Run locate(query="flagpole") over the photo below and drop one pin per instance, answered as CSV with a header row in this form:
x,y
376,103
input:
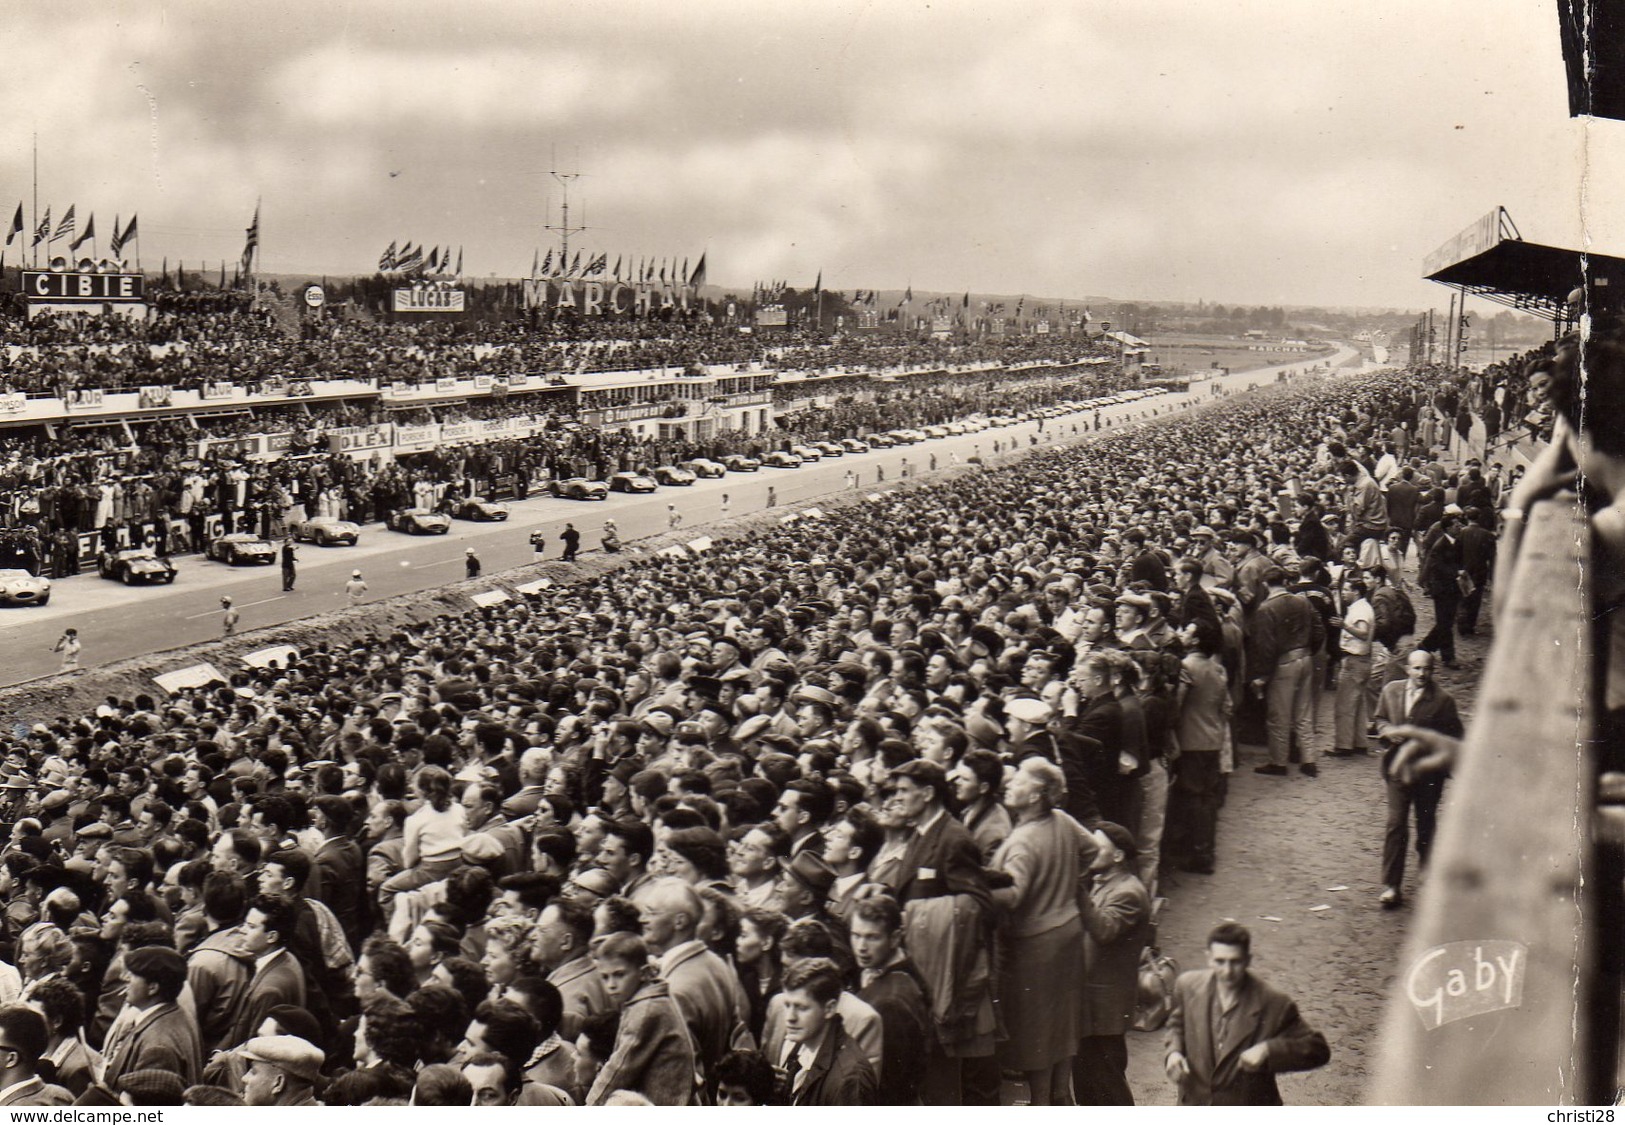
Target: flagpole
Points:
x,y
35,224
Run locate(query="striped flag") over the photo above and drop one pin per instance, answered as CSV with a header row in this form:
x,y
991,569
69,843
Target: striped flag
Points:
x,y
120,241
116,243
386,260
65,227
547,262
16,225
90,233
252,242
43,231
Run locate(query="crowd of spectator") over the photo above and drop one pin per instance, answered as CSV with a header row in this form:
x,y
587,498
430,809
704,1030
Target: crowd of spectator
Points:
x,y
866,810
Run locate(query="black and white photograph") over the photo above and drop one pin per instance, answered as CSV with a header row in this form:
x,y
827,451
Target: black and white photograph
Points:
x,y
845,554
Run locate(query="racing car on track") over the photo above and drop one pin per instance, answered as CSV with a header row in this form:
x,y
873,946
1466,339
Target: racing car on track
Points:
x,y
135,566
673,475
19,587
480,510
241,548
326,531
705,467
419,521
579,488
632,482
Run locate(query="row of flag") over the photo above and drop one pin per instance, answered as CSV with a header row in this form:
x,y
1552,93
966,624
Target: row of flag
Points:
x,y
67,227
413,259
626,269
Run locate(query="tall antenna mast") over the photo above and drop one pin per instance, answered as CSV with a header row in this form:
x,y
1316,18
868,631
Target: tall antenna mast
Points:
x,y
563,228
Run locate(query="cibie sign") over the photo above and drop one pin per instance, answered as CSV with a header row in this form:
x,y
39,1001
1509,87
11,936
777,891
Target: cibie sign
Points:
x,y
43,285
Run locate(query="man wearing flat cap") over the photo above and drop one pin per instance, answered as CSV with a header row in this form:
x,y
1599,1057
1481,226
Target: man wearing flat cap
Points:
x,y
282,1070
152,1032
947,908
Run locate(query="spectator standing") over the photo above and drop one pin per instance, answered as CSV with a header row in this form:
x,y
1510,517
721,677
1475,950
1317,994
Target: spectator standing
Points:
x,y
1116,914
68,647
1415,701
572,542
289,558
471,563
1230,1033
355,589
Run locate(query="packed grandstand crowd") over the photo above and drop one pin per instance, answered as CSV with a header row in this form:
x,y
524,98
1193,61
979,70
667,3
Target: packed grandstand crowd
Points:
x,y
191,340
635,841
148,475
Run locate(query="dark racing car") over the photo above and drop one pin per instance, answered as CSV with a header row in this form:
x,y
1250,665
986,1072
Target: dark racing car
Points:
x,y
241,548
138,566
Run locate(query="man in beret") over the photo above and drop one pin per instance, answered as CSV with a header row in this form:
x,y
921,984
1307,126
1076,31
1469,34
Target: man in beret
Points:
x,y
283,1070
152,1032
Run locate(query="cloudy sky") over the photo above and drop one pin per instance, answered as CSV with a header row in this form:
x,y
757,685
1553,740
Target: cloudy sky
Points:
x,y
1265,151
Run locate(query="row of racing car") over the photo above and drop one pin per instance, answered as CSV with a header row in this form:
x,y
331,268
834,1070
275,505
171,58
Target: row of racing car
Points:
x,y
144,566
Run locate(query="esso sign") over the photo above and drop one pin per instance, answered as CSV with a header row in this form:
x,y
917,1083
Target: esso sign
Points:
x,y
315,296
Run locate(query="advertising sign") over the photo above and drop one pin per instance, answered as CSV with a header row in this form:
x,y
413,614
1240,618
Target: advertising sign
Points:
x,y
607,298
85,398
429,300
14,403
213,391
353,438
43,285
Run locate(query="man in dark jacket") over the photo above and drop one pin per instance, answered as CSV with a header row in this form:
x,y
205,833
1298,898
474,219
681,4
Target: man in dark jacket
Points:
x,y
1230,1034
1441,574
1283,635
1419,702
1477,559
821,1065
340,868
893,988
1403,499
941,861
1117,928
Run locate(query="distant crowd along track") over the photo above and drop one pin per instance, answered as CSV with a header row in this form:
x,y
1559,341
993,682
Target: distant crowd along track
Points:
x,y
117,622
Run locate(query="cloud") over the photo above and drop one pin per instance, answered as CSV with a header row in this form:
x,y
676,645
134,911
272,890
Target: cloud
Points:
x,y
341,86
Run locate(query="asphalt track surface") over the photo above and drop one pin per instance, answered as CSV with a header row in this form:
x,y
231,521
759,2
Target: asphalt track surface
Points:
x,y
116,622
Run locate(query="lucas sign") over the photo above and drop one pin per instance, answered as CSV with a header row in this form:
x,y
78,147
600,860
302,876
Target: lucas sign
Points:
x,y
429,300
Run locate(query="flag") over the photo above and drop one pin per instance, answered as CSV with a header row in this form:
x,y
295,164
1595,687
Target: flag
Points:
x,y
1019,303
253,241
616,272
65,227
130,234
431,263
411,258
965,304
818,285
575,266
116,243
684,273
386,260
908,295
17,225
90,233
459,261
697,278
547,262
43,231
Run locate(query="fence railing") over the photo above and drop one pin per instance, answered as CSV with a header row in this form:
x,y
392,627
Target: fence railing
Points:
x,y
1504,994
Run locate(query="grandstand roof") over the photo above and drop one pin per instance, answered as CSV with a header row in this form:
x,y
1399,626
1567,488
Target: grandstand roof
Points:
x,y
1490,259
